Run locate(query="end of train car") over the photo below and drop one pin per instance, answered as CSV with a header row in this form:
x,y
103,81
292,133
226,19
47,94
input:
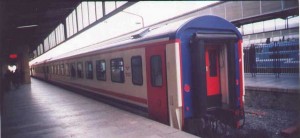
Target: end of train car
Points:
x,y
212,74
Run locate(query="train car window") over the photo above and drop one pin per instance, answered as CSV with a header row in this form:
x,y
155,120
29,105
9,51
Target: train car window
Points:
x,y
67,72
79,70
101,70
117,70
73,70
137,70
213,63
62,68
156,70
57,69
50,71
89,69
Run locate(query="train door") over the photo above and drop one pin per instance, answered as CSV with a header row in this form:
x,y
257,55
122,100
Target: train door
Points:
x,y
213,71
157,83
212,75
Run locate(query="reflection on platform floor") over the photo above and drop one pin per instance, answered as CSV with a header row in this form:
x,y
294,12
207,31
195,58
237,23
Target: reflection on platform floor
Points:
x,y
43,110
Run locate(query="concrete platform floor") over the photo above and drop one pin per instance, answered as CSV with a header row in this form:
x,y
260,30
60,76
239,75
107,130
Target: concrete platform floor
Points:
x,y
43,110
268,82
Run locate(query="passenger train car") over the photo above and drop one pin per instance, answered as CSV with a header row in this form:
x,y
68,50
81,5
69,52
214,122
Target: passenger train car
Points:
x,y
179,72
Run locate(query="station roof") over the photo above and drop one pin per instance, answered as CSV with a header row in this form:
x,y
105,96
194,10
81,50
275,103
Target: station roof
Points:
x,y
20,17
49,14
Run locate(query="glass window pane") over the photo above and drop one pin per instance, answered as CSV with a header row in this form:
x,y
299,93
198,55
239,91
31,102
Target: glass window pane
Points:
x,y
156,71
117,70
212,63
73,70
62,69
280,24
62,29
248,28
57,70
92,12
85,14
79,17
137,70
57,35
293,22
109,6
101,70
74,22
71,25
258,27
40,47
38,50
46,44
89,70
79,70
54,38
67,71
67,25
50,40
120,3
99,11
269,25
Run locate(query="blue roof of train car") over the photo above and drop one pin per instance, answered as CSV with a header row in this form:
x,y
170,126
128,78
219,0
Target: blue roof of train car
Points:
x,y
171,31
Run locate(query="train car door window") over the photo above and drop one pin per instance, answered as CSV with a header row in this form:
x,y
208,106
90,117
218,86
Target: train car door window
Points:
x,y
79,70
89,70
117,70
156,71
137,70
213,63
101,70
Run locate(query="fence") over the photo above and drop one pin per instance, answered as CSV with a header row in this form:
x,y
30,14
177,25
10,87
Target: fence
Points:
x,y
273,58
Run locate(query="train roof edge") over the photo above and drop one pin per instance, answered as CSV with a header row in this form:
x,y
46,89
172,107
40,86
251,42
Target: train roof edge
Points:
x,y
209,22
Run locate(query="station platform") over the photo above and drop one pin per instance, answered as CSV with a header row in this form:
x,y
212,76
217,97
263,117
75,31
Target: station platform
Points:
x,y
268,82
43,110
268,92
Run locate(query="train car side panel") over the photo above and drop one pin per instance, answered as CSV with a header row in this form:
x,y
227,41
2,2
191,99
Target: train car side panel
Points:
x,y
174,84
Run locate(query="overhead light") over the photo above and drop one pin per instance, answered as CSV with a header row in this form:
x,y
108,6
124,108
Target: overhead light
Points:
x,y
27,26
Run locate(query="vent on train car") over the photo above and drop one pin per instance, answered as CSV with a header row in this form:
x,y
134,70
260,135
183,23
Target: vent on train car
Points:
x,y
215,35
140,34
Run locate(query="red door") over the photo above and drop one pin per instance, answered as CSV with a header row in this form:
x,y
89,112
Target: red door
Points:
x,y
156,83
212,71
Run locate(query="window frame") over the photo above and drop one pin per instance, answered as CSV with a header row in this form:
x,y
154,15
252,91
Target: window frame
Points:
x,y
62,69
87,71
121,73
73,64
81,76
101,61
151,71
133,72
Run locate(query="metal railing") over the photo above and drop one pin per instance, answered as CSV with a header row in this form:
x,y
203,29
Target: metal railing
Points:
x,y
273,58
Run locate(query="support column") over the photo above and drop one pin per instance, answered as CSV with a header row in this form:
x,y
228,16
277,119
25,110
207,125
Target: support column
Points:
x,y
25,63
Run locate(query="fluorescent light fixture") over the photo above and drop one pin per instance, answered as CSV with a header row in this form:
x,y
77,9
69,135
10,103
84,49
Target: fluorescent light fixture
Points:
x,y
27,26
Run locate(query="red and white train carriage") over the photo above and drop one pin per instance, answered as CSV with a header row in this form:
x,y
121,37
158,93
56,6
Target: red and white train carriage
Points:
x,y
179,71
